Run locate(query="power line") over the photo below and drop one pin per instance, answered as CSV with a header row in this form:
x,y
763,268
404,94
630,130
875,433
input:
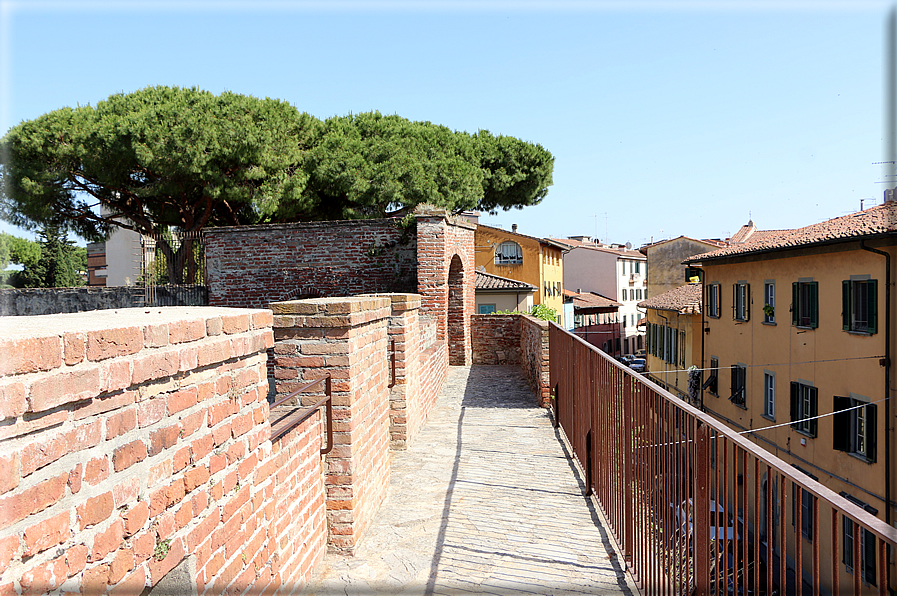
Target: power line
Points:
x,y
758,365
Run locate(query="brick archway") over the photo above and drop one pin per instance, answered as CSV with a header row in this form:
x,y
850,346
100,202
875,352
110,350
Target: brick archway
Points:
x,y
457,327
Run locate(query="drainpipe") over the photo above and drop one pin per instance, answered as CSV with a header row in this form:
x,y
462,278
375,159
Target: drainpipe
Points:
x,y
887,377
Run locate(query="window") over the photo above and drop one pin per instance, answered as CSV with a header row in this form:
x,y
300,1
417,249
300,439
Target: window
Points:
x,y
741,302
739,374
485,309
806,509
632,294
769,302
805,304
769,395
854,427
803,408
712,382
637,267
638,294
713,301
867,544
859,305
508,253
624,295
692,274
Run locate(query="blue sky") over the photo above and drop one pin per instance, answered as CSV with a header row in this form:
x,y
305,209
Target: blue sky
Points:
x,y
665,118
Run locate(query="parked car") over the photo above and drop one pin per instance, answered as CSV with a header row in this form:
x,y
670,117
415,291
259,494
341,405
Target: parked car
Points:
x,y
641,353
624,359
639,365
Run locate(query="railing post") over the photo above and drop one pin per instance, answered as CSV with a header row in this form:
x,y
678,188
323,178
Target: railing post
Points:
x,y
701,532
628,463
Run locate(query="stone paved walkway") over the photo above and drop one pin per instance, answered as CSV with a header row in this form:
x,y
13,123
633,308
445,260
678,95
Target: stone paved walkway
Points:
x,y
486,501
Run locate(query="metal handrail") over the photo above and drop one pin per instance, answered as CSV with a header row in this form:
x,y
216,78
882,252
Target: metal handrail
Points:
x,y
306,414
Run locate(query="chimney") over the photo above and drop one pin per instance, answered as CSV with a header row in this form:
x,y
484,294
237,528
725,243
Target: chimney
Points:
x,y
514,228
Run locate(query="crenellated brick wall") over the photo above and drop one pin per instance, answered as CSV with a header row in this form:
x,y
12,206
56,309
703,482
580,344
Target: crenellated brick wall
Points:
x,y
137,441
514,339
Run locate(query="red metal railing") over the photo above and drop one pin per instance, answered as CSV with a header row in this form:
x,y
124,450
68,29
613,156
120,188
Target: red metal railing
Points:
x,y
284,418
697,508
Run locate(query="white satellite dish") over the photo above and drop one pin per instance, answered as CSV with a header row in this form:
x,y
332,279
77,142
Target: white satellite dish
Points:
x,y
629,246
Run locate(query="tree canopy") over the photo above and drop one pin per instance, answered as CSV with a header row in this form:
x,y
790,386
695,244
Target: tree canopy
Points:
x,y
169,156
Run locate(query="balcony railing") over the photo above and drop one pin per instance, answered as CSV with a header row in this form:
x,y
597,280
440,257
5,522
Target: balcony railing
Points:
x,y
697,508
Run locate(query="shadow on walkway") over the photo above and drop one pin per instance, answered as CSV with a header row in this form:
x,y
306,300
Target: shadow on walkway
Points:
x,y
486,501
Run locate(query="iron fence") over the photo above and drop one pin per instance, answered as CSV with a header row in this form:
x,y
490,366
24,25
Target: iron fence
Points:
x,y
697,508
173,272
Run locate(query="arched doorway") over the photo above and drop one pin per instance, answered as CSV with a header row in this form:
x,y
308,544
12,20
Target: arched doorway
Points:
x,y
456,327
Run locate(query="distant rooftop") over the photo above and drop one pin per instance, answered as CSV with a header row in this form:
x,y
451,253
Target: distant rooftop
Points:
x,y
875,221
487,281
684,300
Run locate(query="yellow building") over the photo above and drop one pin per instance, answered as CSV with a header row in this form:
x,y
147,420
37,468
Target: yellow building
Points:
x,y
535,261
798,347
674,338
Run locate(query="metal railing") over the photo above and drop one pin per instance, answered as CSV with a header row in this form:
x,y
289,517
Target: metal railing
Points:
x,y
697,508
285,418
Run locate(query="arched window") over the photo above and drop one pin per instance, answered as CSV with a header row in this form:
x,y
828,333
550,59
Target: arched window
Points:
x,y
508,253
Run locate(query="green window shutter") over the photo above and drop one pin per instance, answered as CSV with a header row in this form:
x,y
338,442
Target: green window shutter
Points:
x,y
814,409
814,303
870,432
841,423
795,402
845,305
795,304
734,301
747,302
872,305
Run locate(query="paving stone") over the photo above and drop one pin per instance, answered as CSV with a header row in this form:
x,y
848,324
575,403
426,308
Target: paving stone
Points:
x,y
485,501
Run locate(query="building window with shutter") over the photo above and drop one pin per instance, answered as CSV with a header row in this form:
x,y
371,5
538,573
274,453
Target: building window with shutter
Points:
x,y
769,303
854,427
853,532
859,305
741,301
508,253
713,300
804,406
712,382
739,376
806,509
805,304
769,395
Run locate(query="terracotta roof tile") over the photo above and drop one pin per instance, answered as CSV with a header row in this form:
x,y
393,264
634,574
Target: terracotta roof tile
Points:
x,y
684,300
881,219
593,300
487,281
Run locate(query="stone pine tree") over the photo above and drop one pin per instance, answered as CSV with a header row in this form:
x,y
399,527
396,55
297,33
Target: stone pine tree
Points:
x,y
155,158
164,157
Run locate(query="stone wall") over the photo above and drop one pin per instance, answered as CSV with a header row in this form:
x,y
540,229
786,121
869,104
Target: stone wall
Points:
x,y
133,444
50,301
519,340
252,266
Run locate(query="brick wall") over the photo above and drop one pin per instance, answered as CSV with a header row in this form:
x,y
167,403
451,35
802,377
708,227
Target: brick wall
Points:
x,y
517,340
252,266
346,337
445,278
136,441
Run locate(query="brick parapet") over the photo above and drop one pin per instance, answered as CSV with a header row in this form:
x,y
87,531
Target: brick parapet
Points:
x,y
516,339
347,338
159,454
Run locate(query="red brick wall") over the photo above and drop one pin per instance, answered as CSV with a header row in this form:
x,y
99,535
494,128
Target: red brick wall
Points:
x,y
514,339
442,239
133,439
252,266
346,337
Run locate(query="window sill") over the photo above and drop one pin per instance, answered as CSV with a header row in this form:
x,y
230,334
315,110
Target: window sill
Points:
x,y
770,323
805,327
804,433
861,333
741,406
860,457
768,417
